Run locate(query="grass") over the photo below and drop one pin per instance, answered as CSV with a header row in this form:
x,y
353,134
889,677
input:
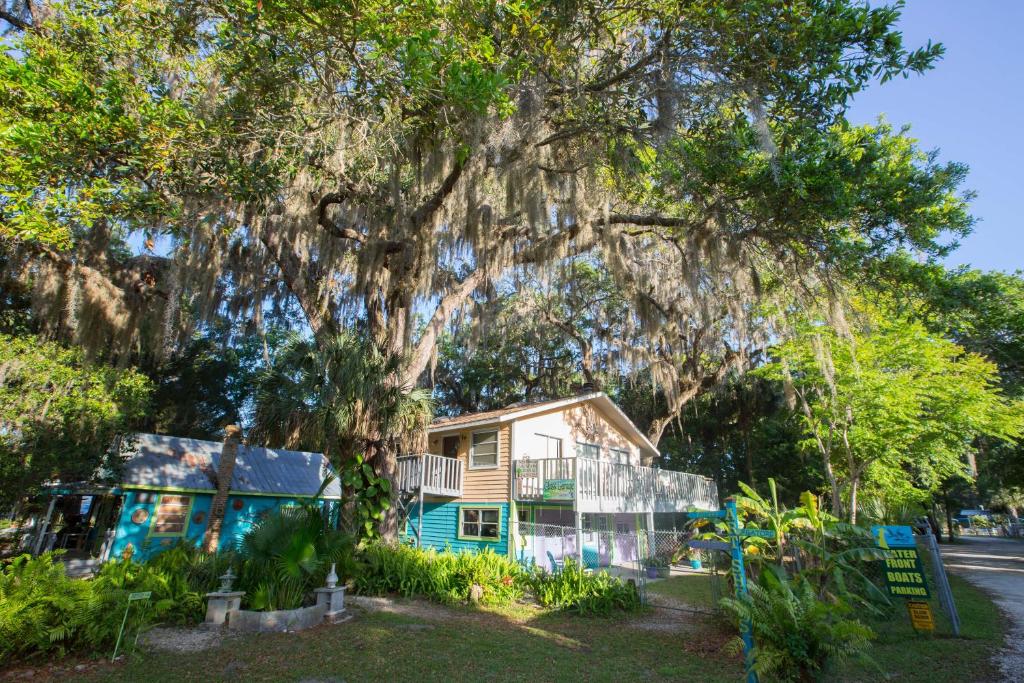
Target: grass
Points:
x,y
692,589
526,643
515,644
902,654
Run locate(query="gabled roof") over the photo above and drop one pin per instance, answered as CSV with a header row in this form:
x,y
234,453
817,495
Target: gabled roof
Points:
x,y
520,410
171,462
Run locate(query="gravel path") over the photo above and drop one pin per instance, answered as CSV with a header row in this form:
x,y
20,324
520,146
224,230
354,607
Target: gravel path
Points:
x,y
996,565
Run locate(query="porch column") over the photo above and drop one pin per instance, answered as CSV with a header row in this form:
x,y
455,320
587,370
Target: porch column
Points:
x,y
44,524
579,538
651,544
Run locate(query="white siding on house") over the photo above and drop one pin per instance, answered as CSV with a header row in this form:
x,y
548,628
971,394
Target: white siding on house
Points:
x,y
579,423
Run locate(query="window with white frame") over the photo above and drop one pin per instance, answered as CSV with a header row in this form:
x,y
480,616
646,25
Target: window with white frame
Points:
x,y
172,515
588,450
619,455
484,452
483,523
550,446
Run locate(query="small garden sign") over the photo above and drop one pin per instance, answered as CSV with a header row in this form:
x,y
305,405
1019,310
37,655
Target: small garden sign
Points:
x,y
132,597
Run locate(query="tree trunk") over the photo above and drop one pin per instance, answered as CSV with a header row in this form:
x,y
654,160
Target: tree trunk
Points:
x,y
225,469
384,461
837,500
854,483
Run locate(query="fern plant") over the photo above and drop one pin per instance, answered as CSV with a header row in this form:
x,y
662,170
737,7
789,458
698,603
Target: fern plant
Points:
x,y
797,635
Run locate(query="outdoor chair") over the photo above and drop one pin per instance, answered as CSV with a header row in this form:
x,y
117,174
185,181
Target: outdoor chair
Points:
x,y
556,565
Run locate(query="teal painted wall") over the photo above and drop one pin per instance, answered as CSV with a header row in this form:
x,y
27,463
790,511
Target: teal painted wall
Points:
x,y
441,527
236,522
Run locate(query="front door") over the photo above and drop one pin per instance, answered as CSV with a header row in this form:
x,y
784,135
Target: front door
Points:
x,y
450,447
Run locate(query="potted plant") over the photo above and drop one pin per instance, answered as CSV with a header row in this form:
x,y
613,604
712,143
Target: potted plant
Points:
x,y
694,556
651,566
657,567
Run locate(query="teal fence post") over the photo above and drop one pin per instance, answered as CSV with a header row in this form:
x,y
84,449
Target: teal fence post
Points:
x,y
739,575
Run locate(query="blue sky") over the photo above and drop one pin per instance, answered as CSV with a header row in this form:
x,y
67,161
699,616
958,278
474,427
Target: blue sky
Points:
x,y
970,107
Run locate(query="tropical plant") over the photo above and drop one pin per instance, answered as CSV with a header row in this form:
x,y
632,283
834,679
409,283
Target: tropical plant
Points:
x,y
370,497
769,515
42,611
339,397
288,553
797,635
573,587
445,577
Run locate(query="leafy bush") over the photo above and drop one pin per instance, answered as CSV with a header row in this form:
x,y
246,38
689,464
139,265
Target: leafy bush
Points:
x,y
445,577
42,611
288,554
796,634
588,593
179,578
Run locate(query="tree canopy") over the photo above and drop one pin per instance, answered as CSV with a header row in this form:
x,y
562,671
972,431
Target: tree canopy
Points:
x,y
889,406
60,414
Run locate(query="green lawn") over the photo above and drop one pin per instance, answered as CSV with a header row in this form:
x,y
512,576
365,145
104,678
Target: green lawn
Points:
x,y
525,643
515,644
902,654
692,589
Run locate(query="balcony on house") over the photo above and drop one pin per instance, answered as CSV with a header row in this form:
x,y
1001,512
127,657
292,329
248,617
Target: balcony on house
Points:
x,y
593,485
434,475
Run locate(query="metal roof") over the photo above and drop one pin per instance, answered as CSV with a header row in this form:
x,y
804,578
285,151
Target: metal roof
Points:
x,y
175,462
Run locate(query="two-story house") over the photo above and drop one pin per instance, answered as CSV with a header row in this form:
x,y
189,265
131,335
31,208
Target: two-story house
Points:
x,y
493,479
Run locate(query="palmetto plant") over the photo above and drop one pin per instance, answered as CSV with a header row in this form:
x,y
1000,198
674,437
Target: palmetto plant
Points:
x,y
339,397
288,554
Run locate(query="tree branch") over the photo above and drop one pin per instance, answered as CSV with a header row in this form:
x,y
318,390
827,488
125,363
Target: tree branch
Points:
x,y
445,307
15,21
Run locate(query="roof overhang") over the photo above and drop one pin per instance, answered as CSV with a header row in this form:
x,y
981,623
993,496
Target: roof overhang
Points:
x,y
618,418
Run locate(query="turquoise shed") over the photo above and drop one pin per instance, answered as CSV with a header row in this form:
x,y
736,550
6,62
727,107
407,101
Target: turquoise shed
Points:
x,y
164,494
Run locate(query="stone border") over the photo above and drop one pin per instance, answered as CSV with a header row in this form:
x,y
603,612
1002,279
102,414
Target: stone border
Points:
x,y
276,621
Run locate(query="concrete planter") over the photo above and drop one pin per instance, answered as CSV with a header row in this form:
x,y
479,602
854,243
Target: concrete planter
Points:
x,y
276,621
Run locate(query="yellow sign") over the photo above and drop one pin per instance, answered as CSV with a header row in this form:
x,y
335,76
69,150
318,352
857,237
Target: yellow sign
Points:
x,y
921,615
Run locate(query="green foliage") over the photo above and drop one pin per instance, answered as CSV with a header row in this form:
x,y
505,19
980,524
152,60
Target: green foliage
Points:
x,y
60,413
289,553
42,611
840,560
89,122
371,497
445,577
218,379
337,397
45,613
796,634
889,405
575,588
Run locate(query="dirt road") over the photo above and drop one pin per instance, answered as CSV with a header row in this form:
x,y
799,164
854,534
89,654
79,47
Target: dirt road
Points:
x,y
996,565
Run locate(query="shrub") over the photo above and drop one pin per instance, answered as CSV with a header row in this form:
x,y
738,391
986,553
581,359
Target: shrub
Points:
x,y
445,577
588,593
42,611
796,634
288,554
179,578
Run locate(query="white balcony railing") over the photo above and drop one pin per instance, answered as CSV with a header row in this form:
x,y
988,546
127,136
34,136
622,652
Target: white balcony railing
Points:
x,y
435,474
599,486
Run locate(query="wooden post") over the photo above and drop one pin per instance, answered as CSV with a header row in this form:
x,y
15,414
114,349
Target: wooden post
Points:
x,y
44,524
225,469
